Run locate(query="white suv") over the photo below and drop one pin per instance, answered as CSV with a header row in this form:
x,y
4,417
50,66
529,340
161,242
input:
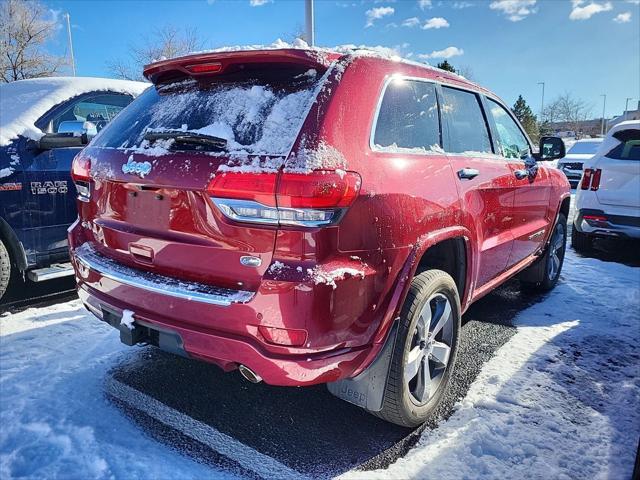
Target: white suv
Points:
x,y
580,152
608,197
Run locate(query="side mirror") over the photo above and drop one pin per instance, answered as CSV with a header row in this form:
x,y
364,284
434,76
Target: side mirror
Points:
x,y
78,128
551,148
70,134
61,140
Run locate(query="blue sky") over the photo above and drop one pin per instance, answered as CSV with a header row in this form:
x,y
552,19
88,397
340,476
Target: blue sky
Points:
x,y
586,47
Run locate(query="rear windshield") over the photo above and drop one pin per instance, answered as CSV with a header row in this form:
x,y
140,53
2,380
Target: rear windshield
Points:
x,y
629,147
585,147
254,115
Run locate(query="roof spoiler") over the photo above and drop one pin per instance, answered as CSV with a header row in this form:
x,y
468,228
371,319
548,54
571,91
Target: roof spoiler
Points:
x,y
217,63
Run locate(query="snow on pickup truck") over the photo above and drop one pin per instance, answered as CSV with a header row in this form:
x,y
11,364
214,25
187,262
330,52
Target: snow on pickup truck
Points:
x,y
44,123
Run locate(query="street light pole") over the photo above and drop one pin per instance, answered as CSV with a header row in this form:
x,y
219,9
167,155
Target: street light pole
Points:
x,y
309,27
626,107
73,60
604,106
542,103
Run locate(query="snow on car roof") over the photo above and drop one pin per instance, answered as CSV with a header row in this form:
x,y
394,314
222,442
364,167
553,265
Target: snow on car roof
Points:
x,y
348,49
23,102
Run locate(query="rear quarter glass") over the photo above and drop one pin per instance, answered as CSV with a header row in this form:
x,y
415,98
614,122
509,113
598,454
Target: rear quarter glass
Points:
x,y
259,113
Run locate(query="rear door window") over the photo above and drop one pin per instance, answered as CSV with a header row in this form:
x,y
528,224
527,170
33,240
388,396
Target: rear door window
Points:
x,y
254,113
408,117
466,130
512,142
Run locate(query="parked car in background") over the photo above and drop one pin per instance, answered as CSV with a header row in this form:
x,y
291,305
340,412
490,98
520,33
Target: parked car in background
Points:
x,y
314,217
608,199
579,152
44,123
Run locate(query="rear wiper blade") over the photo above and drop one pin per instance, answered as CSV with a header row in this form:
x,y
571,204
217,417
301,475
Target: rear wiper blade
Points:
x,y
196,139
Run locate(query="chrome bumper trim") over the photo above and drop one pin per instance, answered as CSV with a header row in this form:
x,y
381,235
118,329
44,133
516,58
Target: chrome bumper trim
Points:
x,y
87,257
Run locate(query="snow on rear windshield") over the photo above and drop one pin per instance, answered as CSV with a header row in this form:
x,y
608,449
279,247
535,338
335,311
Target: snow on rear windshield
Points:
x,y
254,117
585,147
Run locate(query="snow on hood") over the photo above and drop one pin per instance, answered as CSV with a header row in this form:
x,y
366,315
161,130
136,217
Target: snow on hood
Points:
x,y
23,102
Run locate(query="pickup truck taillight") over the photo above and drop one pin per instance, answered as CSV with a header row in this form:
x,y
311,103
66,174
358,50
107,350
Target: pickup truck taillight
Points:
x,y
591,179
81,175
312,199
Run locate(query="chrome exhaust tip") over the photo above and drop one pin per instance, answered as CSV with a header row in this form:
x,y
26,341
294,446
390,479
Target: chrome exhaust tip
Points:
x,y
249,374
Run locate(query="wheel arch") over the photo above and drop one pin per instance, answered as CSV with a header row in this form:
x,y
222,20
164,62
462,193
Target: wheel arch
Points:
x,y
451,250
13,244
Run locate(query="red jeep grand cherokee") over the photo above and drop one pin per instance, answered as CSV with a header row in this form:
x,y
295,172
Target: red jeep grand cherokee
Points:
x,y
313,217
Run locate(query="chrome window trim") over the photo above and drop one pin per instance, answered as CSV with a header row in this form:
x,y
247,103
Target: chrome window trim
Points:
x,y
488,95
87,256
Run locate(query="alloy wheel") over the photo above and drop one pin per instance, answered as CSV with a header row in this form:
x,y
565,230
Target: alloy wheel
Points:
x,y
556,252
430,349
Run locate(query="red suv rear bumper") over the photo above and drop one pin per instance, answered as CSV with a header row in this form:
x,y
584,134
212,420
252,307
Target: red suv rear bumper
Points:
x,y
226,335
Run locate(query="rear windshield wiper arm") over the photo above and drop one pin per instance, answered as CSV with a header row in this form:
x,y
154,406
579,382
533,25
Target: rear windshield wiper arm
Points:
x,y
196,139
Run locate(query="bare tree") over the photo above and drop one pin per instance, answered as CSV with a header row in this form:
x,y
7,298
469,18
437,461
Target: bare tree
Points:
x,y
24,30
568,110
467,72
165,42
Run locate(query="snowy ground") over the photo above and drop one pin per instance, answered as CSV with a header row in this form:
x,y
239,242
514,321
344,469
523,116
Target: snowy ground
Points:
x,y
559,400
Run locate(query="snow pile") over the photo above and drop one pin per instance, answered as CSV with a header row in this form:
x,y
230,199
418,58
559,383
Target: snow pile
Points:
x,y
394,148
5,172
277,268
23,102
321,275
559,400
251,164
56,422
252,119
322,157
322,53
127,319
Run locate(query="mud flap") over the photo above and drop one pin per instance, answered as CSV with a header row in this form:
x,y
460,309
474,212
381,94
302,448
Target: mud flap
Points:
x,y
367,389
534,273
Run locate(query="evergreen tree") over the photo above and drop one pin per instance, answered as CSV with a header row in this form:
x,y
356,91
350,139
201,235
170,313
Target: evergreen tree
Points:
x,y
446,66
523,112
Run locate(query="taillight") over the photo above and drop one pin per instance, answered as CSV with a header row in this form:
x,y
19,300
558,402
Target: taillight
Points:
x,y
595,181
302,199
81,175
213,67
591,179
81,168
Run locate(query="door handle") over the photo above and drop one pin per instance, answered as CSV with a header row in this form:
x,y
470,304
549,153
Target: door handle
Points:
x,y
521,174
468,173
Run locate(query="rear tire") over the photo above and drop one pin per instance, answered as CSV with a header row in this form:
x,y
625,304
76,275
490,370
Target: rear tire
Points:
x,y
5,269
550,264
581,242
409,399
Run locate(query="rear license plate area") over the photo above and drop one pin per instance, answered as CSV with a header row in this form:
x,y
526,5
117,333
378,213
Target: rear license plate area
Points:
x,y
148,208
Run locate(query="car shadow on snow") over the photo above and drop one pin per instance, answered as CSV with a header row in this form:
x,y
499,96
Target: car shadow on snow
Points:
x,y
623,251
306,429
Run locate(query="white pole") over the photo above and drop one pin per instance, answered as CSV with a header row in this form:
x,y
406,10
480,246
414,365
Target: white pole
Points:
x,y
626,107
542,104
308,17
73,60
604,106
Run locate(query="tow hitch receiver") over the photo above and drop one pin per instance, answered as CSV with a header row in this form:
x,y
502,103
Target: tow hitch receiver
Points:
x,y
128,336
